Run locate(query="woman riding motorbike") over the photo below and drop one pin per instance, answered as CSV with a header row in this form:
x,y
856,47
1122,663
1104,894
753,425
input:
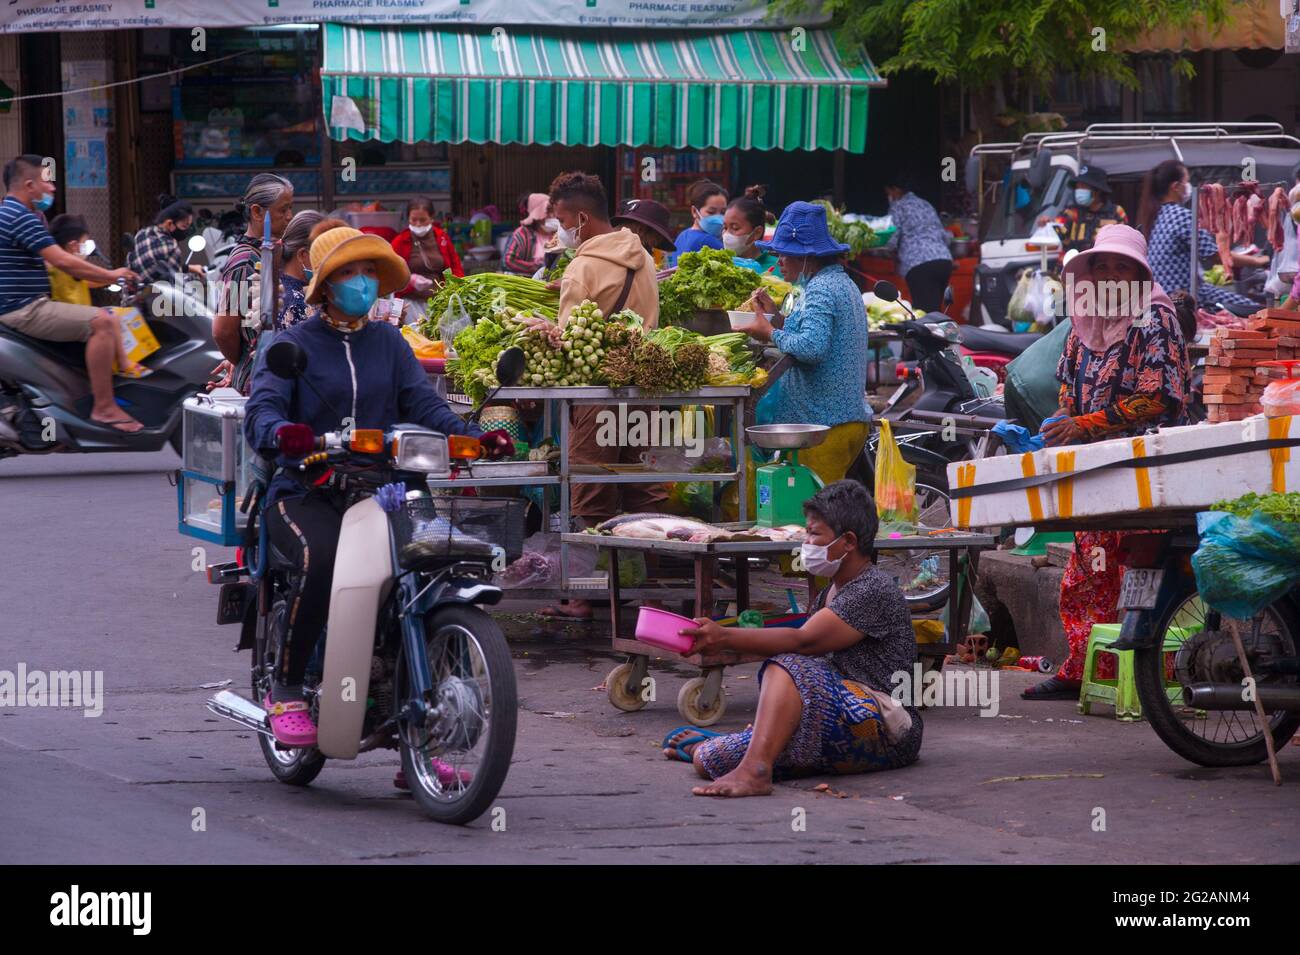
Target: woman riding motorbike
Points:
x,y
361,374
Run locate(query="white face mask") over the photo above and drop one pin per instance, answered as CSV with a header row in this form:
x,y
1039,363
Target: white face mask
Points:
x,y
570,239
815,559
551,225
1187,191
87,248
420,231
733,242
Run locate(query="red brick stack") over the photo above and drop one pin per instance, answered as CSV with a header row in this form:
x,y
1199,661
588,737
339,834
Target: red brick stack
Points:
x,y
1234,378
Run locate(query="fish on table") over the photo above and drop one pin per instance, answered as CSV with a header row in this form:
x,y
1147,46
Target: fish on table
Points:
x,y
672,527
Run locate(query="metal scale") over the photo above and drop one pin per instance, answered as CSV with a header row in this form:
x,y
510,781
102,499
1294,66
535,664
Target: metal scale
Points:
x,y
784,484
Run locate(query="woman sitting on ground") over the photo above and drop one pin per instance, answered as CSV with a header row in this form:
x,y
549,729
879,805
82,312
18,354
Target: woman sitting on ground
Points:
x,y
824,703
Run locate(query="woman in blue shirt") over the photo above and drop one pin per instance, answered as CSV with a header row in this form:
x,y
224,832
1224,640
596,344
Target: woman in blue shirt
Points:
x,y
708,204
826,335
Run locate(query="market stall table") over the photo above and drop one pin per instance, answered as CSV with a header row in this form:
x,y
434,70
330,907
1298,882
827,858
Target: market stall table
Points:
x,y
700,699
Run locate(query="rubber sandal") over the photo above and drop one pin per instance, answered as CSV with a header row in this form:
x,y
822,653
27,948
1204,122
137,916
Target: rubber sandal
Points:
x,y
695,736
1053,688
291,723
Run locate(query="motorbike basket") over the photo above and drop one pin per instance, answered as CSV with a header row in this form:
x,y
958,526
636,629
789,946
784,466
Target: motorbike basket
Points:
x,y
431,530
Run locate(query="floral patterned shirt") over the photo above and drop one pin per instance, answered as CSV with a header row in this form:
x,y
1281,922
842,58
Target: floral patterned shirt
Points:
x,y
1137,383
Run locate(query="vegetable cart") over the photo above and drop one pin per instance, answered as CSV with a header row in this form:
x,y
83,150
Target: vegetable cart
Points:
x,y
700,699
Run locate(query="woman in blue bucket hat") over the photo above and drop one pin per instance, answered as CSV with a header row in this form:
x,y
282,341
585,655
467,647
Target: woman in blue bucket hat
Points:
x,y
825,334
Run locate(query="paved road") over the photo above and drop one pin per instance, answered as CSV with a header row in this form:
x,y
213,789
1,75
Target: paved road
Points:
x,y
96,578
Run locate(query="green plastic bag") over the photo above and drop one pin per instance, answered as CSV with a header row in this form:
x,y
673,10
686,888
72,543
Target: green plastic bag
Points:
x,y
1032,391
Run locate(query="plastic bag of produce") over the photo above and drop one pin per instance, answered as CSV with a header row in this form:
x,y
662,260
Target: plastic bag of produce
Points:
x,y
1281,398
1243,564
455,319
895,481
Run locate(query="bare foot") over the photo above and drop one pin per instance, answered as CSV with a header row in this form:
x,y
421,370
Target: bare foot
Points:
x,y
741,781
569,610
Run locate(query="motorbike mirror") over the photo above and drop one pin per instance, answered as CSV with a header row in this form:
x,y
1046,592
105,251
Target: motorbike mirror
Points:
x,y
510,367
947,298
197,243
972,174
286,360
885,291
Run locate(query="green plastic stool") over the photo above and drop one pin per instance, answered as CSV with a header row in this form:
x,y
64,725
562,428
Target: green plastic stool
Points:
x,y
1121,692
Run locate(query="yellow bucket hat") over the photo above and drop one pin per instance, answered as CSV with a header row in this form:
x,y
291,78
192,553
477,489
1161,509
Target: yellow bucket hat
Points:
x,y
341,246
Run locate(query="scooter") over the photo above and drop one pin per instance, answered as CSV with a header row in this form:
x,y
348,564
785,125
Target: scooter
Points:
x,y
1185,665
412,661
45,397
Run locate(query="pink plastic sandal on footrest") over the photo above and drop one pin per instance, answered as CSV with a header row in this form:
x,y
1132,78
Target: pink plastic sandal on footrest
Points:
x,y
291,723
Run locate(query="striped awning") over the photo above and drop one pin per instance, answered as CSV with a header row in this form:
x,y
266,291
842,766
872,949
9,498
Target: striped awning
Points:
x,y
731,90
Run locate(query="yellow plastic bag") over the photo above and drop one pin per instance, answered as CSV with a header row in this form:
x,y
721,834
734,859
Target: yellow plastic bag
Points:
x,y
895,481
137,337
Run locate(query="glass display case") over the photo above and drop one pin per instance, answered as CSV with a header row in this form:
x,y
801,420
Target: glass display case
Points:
x,y
217,468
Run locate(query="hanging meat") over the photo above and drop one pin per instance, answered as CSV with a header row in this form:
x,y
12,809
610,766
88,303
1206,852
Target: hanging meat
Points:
x,y
1239,218
1254,214
1277,207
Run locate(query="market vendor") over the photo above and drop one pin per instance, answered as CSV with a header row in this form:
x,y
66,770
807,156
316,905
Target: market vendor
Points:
x,y
824,700
612,269
526,248
826,335
1092,210
924,259
428,252
743,225
708,203
648,221
1124,370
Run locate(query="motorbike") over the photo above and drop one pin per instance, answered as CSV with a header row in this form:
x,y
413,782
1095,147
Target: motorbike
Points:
x,y
45,397
412,661
1186,669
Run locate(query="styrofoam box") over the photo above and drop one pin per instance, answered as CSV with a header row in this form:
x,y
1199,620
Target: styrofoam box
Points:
x,y
1189,484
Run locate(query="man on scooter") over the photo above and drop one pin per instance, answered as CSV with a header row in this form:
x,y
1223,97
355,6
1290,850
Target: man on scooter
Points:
x,y
26,247
361,374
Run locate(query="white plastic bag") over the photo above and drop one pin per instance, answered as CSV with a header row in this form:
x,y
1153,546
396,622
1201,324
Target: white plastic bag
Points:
x,y
455,319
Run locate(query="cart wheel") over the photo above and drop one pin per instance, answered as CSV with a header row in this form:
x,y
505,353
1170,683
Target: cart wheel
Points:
x,y
693,709
616,687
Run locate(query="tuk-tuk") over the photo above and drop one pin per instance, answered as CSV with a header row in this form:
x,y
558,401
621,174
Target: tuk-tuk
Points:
x,y
1033,179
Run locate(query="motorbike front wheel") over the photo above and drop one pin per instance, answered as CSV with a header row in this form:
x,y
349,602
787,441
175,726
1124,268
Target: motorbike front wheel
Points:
x,y
457,761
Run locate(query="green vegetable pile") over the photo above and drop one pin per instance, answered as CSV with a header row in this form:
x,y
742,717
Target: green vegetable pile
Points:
x,y
485,294
858,236
556,271
1279,507
704,279
477,349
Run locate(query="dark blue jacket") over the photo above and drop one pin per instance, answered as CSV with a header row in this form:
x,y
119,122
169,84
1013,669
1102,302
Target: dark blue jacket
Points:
x,y
370,376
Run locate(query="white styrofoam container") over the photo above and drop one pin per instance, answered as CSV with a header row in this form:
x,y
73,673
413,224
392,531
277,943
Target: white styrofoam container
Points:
x,y
1025,506
1188,484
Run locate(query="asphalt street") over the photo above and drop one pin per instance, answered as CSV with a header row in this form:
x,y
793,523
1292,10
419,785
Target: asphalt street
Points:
x,y
95,577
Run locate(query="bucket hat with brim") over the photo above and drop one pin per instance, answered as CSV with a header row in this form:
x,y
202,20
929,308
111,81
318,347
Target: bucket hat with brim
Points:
x,y
342,246
802,230
649,213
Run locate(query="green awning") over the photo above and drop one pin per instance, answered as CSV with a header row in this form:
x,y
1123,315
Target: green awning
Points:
x,y
745,89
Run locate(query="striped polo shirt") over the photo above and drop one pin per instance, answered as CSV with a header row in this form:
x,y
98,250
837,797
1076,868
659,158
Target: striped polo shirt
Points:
x,y
23,277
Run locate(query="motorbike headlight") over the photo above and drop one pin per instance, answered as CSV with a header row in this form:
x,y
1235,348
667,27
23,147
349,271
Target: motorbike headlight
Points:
x,y
424,452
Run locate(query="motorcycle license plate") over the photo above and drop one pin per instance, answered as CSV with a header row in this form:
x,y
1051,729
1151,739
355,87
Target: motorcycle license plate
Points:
x,y
1139,588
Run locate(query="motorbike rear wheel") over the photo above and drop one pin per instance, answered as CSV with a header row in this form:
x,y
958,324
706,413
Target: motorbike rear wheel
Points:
x,y
293,767
1213,737
456,766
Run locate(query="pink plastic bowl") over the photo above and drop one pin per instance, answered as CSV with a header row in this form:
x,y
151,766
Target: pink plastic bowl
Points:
x,y
660,628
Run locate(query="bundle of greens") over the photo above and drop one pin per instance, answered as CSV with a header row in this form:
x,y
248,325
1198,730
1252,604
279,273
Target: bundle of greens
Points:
x,y
704,279
856,235
556,271
1278,507
485,294
477,349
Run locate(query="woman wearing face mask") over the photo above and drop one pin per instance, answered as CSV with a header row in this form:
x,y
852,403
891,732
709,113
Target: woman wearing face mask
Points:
x,y
824,703
362,374
526,248
825,334
743,226
158,252
1166,221
295,266
708,204
1124,369
427,251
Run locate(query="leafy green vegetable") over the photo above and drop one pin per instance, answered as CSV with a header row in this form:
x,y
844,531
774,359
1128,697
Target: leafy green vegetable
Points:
x,y
477,349
856,235
1280,507
486,293
704,279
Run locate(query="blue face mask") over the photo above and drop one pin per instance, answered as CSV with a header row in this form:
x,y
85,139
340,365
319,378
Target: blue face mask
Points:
x,y
712,225
44,202
306,276
354,296
1083,197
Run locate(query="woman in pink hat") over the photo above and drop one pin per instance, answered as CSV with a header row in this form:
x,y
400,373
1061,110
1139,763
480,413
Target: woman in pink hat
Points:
x,y
1124,370
526,247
